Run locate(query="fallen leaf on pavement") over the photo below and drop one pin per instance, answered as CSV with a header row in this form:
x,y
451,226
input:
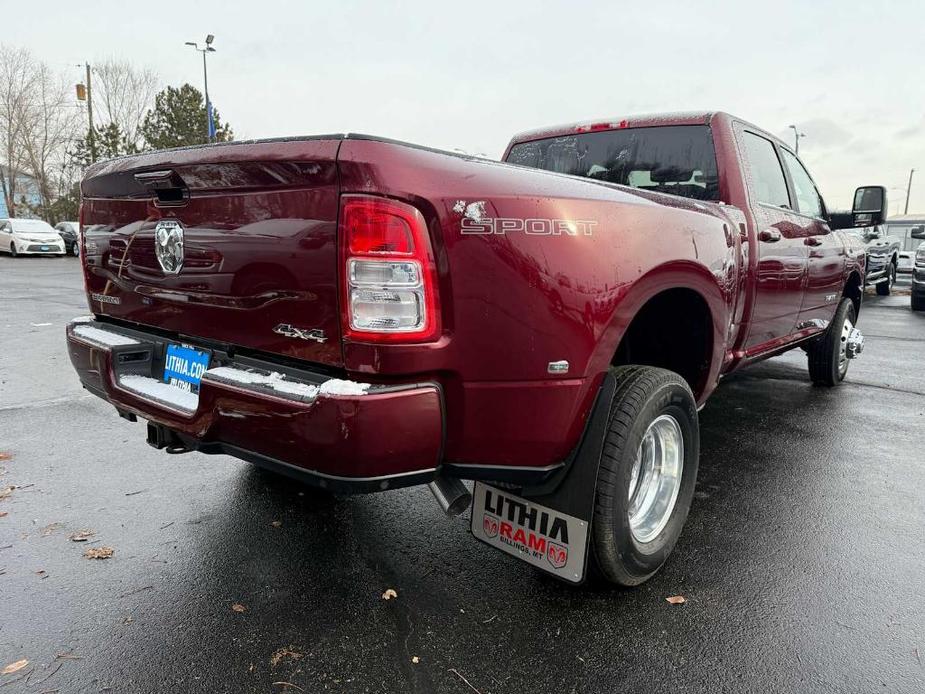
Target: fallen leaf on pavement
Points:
x,y
50,528
238,607
3,513
14,667
99,553
277,524
80,536
5,456
67,656
389,594
6,491
284,654
415,660
676,600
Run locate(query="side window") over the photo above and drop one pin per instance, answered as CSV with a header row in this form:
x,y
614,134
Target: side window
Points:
x,y
808,200
767,177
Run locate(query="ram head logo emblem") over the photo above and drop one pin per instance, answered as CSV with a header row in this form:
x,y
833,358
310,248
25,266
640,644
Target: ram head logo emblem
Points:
x,y
168,245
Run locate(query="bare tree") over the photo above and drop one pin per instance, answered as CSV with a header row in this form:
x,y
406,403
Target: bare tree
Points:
x,y
123,94
49,124
17,74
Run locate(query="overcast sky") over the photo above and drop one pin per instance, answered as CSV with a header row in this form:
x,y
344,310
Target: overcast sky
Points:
x,y
467,75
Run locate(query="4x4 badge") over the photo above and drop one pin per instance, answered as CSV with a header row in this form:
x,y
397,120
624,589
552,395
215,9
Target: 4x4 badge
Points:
x,y
287,330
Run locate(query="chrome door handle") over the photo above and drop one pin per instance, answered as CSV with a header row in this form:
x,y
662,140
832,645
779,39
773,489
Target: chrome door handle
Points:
x,y
769,235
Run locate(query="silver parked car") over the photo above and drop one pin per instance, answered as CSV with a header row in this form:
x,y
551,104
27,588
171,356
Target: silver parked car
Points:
x,y
902,226
918,271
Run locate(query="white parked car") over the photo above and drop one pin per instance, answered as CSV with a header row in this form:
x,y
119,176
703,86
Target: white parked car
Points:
x,y
29,237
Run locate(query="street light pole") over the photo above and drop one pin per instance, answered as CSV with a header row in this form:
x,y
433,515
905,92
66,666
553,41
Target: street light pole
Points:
x,y
796,138
909,191
205,78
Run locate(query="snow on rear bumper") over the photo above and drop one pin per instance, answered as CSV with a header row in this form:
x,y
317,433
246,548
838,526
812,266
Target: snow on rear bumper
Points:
x,y
339,434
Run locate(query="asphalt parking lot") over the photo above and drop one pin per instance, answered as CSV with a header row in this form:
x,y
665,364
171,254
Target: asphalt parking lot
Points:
x,y
803,560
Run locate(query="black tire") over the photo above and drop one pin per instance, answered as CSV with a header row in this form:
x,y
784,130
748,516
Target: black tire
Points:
x,y
74,250
884,288
918,303
643,394
824,355
13,251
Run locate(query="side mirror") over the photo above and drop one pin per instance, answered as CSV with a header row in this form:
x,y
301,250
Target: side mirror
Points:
x,y
918,232
869,207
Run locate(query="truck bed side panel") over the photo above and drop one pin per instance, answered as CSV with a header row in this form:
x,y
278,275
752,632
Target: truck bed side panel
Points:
x,y
514,302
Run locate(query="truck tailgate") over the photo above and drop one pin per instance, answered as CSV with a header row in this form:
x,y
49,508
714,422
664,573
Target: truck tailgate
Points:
x,y
258,224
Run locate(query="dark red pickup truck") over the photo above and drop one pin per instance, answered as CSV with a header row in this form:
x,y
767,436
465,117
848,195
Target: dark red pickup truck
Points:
x,y
366,314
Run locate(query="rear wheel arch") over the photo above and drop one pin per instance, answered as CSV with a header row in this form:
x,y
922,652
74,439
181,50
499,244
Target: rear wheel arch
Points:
x,y
674,329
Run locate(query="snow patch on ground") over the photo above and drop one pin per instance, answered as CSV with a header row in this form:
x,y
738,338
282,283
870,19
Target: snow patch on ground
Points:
x,y
160,391
278,382
103,337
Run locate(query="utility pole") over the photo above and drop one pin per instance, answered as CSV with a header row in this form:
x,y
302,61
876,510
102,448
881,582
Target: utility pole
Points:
x,y
91,135
205,78
909,191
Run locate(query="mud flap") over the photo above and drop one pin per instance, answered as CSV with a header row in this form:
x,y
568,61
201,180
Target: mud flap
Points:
x,y
550,526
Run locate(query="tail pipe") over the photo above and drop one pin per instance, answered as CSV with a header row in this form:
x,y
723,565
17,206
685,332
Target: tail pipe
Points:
x,y
451,494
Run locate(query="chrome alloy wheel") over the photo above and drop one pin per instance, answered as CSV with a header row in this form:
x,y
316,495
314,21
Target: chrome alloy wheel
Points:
x,y
656,478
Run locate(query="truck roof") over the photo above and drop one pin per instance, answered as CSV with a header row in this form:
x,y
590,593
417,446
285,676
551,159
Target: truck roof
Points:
x,y
636,121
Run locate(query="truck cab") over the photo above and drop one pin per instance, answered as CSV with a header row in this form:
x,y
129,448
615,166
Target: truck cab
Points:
x,y
798,267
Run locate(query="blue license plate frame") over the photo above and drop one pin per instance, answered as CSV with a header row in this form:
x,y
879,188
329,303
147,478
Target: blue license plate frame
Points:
x,y
184,366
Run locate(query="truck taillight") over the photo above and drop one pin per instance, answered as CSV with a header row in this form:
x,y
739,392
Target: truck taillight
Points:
x,y
389,285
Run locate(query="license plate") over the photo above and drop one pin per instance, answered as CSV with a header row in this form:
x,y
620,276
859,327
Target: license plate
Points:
x,y
44,248
539,535
184,366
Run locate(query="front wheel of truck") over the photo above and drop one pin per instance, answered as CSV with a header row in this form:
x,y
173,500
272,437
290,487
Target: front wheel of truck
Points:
x,y
828,356
647,474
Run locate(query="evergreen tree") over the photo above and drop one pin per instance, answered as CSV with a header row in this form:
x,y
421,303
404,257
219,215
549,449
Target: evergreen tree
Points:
x,y
178,119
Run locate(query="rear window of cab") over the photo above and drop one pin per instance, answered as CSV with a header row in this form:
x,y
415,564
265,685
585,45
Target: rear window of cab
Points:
x,y
673,159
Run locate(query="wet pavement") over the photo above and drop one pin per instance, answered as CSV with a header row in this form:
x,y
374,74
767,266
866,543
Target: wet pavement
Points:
x,y
803,560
